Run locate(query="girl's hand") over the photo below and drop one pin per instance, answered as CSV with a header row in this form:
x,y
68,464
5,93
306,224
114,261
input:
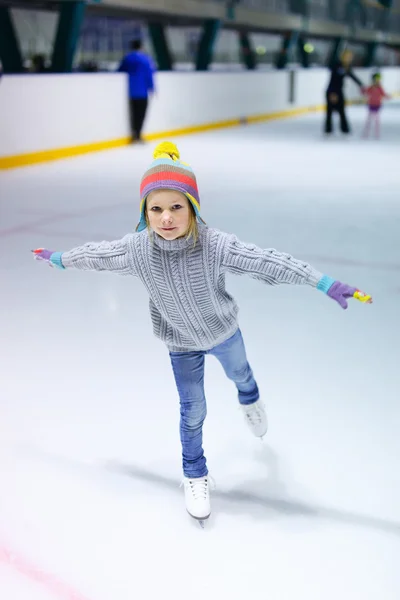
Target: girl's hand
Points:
x,y
43,254
341,292
53,259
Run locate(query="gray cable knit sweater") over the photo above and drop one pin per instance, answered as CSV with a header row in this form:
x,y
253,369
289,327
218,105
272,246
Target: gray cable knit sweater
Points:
x,y
189,305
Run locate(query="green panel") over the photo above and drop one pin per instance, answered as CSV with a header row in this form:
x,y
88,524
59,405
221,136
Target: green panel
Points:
x,y
370,54
337,48
246,51
67,36
205,50
10,53
304,56
300,7
288,49
230,9
160,45
333,10
386,3
355,14
384,20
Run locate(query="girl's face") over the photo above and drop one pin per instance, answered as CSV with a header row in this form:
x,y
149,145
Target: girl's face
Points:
x,y
168,213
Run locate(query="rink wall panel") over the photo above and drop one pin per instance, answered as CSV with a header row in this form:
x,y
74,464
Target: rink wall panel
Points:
x,y
45,117
54,112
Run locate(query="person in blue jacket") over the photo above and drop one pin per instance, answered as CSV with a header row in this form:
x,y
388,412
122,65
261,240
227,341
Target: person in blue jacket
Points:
x,y
140,69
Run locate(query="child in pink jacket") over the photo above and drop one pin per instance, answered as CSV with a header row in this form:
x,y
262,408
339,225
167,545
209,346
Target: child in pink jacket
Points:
x,y
374,93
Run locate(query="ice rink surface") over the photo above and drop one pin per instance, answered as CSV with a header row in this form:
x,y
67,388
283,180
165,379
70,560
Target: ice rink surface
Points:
x,y
90,505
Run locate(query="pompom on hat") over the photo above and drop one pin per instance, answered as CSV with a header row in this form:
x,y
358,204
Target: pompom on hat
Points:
x,y
168,172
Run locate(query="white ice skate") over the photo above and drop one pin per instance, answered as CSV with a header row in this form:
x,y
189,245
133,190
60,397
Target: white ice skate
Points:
x,y
256,418
197,497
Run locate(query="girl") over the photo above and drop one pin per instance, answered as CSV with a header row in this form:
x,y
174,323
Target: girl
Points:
x,y
374,93
182,263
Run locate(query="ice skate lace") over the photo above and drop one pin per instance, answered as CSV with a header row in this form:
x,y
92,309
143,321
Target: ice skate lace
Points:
x,y
254,415
199,487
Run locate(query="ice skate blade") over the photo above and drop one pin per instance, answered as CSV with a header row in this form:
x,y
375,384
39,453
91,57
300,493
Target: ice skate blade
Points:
x,y
200,521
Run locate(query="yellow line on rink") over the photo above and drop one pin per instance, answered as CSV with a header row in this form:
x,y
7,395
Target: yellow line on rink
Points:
x,y
42,156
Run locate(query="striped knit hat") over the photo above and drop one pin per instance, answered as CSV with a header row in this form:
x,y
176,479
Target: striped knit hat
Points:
x,y
169,173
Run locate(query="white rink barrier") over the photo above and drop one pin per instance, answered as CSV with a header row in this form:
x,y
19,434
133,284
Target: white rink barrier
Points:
x,y
46,117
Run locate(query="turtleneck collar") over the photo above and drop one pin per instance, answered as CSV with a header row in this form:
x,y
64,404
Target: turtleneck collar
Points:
x,y
174,245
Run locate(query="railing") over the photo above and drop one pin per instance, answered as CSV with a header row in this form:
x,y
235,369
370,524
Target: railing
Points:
x,y
369,15
276,6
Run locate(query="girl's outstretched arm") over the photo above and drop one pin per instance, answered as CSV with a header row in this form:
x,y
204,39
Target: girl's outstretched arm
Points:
x,y
276,268
268,265
104,256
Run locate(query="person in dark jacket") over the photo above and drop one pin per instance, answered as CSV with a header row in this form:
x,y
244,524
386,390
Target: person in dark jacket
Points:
x,y
140,69
335,100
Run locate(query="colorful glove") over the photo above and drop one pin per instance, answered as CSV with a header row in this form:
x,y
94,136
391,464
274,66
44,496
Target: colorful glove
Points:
x,y
341,292
53,259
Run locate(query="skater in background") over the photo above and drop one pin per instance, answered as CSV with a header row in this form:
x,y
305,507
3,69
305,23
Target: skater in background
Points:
x,y
140,69
182,263
335,100
375,94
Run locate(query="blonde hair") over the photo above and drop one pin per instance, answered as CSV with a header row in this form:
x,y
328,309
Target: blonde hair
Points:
x,y
192,231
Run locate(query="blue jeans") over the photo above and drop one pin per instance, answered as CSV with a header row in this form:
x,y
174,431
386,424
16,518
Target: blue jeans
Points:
x,y
188,370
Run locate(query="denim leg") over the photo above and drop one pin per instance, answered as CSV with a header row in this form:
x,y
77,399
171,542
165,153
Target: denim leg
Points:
x,y
188,368
232,356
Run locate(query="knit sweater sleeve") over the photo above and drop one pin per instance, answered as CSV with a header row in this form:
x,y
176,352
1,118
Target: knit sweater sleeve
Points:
x,y
104,256
268,265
